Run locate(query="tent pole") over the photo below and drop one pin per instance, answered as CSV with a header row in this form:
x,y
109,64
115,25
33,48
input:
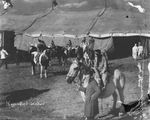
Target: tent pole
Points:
x,y
142,74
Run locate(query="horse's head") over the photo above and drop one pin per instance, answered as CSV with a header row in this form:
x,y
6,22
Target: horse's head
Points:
x,y
78,69
32,48
47,52
53,51
73,71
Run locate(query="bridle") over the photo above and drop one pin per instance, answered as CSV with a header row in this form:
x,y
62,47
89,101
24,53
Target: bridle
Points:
x,y
80,71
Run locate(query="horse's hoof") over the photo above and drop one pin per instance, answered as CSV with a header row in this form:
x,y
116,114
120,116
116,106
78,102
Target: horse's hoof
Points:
x,y
33,73
46,77
41,76
120,114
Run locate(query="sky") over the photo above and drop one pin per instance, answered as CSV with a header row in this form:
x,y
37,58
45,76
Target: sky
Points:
x,y
27,7
30,7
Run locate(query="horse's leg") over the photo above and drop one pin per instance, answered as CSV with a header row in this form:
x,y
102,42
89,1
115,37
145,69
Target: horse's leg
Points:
x,y
41,74
120,88
121,94
119,81
115,96
64,61
45,72
83,96
50,64
59,59
33,69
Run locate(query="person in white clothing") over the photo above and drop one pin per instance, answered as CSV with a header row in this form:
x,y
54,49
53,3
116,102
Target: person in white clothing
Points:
x,y
4,54
135,52
140,50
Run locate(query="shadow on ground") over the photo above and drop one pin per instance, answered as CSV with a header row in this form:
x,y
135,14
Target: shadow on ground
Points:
x,y
59,73
19,95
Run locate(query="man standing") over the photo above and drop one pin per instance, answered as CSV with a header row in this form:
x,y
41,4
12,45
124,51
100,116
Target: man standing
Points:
x,y
4,55
90,51
52,44
91,44
140,50
83,44
135,52
91,107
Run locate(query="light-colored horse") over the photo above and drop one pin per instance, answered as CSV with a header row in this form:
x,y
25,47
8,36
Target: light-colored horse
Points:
x,y
115,87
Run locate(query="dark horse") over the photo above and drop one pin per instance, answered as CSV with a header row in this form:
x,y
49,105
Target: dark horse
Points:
x,y
39,56
76,52
62,53
59,53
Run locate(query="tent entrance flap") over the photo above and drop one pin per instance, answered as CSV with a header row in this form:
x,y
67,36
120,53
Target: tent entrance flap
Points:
x,y
123,46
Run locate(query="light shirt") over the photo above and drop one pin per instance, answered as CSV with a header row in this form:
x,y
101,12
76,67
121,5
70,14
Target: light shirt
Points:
x,y
135,49
3,54
140,48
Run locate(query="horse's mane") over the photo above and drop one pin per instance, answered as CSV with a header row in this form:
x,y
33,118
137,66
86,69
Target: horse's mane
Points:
x,y
87,69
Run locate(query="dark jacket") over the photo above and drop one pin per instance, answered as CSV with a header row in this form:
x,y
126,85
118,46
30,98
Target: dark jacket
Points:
x,y
91,108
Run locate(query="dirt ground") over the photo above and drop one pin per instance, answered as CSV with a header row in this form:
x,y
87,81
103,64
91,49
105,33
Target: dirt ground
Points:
x,y
27,97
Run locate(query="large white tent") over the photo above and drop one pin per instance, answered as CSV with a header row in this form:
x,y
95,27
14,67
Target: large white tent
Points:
x,y
113,18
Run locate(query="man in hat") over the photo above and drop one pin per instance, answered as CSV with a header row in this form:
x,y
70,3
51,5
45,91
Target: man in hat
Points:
x,y
92,91
91,44
84,44
90,51
52,44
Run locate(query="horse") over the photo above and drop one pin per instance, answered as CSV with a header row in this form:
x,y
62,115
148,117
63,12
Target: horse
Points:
x,y
76,52
59,53
63,54
39,58
115,87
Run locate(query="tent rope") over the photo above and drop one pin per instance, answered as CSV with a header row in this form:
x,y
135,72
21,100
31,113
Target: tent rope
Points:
x,y
100,13
39,17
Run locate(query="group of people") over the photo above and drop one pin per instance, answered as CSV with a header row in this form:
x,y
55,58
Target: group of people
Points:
x,y
137,51
101,69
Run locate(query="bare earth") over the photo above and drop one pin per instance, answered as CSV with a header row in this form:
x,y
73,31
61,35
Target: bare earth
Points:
x,y
27,97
